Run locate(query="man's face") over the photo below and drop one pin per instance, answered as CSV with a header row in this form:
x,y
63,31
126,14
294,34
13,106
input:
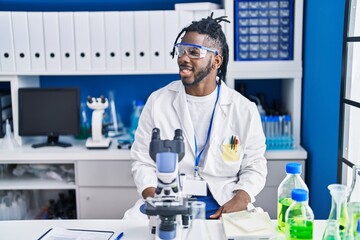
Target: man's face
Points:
x,y
194,70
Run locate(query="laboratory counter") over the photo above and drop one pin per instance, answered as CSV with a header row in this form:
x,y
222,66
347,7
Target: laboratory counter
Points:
x,y
34,229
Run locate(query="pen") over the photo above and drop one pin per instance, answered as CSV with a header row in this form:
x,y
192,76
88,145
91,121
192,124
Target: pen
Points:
x,y
119,236
231,142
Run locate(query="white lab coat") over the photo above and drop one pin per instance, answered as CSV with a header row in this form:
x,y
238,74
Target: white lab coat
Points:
x,y
167,110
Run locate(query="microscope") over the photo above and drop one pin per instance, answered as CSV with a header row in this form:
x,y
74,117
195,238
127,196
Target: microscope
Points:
x,y
97,141
168,205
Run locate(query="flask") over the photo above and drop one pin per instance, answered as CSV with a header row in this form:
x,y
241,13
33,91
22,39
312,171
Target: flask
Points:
x,y
353,230
134,118
338,210
291,181
299,217
331,230
354,192
198,230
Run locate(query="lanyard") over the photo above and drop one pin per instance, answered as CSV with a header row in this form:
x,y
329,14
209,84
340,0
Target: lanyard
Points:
x,y
197,159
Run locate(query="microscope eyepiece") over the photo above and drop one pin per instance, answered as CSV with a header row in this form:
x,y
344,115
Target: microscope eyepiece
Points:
x,y
155,134
178,135
89,99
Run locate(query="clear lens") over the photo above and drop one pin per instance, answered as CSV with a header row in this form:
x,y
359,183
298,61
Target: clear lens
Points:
x,y
191,51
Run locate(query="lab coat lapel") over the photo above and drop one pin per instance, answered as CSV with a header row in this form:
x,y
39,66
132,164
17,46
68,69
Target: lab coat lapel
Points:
x,y
221,111
183,114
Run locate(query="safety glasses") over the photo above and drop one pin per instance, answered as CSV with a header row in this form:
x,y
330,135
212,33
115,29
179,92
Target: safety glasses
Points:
x,y
192,50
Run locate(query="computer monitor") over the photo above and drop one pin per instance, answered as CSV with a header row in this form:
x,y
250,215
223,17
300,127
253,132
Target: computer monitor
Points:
x,y
49,112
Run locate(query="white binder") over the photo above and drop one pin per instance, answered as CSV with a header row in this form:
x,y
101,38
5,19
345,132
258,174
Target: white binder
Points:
x,y
199,14
171,20
142,43
82,41
21,41
185,19
36,36
67,41
157,40
127,39
52,41
7,53
112,41
97,41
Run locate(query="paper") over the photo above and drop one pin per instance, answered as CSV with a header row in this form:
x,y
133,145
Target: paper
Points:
x,y
248,225
76,234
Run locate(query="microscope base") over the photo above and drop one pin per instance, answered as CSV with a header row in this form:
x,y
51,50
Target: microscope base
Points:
x,y
102,144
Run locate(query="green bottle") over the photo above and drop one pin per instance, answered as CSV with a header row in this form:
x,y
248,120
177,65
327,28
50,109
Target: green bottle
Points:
x,y
291,181
299,218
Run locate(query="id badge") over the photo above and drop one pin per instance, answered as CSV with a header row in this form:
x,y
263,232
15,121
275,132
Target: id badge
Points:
x,y
194,186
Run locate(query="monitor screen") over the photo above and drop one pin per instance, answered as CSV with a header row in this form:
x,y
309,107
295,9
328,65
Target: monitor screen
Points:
x,y
49,112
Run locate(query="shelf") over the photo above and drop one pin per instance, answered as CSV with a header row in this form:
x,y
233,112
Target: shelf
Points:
x,y
27,182
298,153
78,73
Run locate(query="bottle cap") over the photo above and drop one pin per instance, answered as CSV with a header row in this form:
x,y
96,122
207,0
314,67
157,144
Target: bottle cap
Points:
x,y
299,195
293,168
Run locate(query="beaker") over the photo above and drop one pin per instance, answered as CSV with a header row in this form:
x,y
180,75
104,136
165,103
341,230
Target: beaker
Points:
x,y
338,210
354,192
353,231
198,229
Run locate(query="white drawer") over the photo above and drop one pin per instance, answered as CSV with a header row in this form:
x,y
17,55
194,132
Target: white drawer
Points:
x,y
105,173
106,203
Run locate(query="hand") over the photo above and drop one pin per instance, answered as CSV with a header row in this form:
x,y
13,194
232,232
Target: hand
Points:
x,y
237,203
148,192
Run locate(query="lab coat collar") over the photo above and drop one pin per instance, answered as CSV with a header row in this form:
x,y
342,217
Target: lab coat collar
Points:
x,y
183,114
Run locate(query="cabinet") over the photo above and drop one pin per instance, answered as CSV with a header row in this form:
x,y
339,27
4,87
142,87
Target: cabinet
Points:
x,y
103,177
104,187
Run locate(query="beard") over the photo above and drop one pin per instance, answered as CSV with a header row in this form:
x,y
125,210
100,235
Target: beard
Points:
x,y
200,75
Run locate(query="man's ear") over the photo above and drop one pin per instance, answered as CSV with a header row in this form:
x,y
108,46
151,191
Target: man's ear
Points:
x,y
218,60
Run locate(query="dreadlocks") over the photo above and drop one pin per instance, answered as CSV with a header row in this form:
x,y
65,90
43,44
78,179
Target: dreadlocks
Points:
x,y
210,26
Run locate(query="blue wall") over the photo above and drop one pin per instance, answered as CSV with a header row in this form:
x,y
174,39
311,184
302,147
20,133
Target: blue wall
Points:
x,y
323,35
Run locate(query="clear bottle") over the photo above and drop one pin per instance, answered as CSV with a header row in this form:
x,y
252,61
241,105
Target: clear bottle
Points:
x,y
135,116
338,210
331,231
299,217
198,229
291,181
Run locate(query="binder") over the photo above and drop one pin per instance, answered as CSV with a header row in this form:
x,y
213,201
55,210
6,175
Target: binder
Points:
x,y
67,41
52,41
112,41
36,37
199,14
97,41
185,19
5,99
82,41
127,39
7,53
21,41
171,20
142,43
157,40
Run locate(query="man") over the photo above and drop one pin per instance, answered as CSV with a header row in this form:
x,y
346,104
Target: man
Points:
x,y
223,137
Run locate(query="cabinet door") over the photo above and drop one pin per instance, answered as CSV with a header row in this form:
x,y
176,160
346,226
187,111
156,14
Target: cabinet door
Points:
x,y
105,203
105,173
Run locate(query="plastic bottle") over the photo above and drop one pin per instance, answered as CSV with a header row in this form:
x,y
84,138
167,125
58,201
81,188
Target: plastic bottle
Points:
x,y
291,181
332,230
135,115
299,217
198,229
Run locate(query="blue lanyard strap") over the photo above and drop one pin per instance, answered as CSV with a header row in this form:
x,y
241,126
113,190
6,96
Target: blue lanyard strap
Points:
x,y
197,159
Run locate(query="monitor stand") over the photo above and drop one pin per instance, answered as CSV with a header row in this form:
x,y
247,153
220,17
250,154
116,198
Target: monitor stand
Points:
x,y
52,141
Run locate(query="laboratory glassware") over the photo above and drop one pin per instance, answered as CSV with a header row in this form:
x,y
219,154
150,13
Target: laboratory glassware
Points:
x,y
332,230
198,229
338,210
354,192
291,181
299,217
